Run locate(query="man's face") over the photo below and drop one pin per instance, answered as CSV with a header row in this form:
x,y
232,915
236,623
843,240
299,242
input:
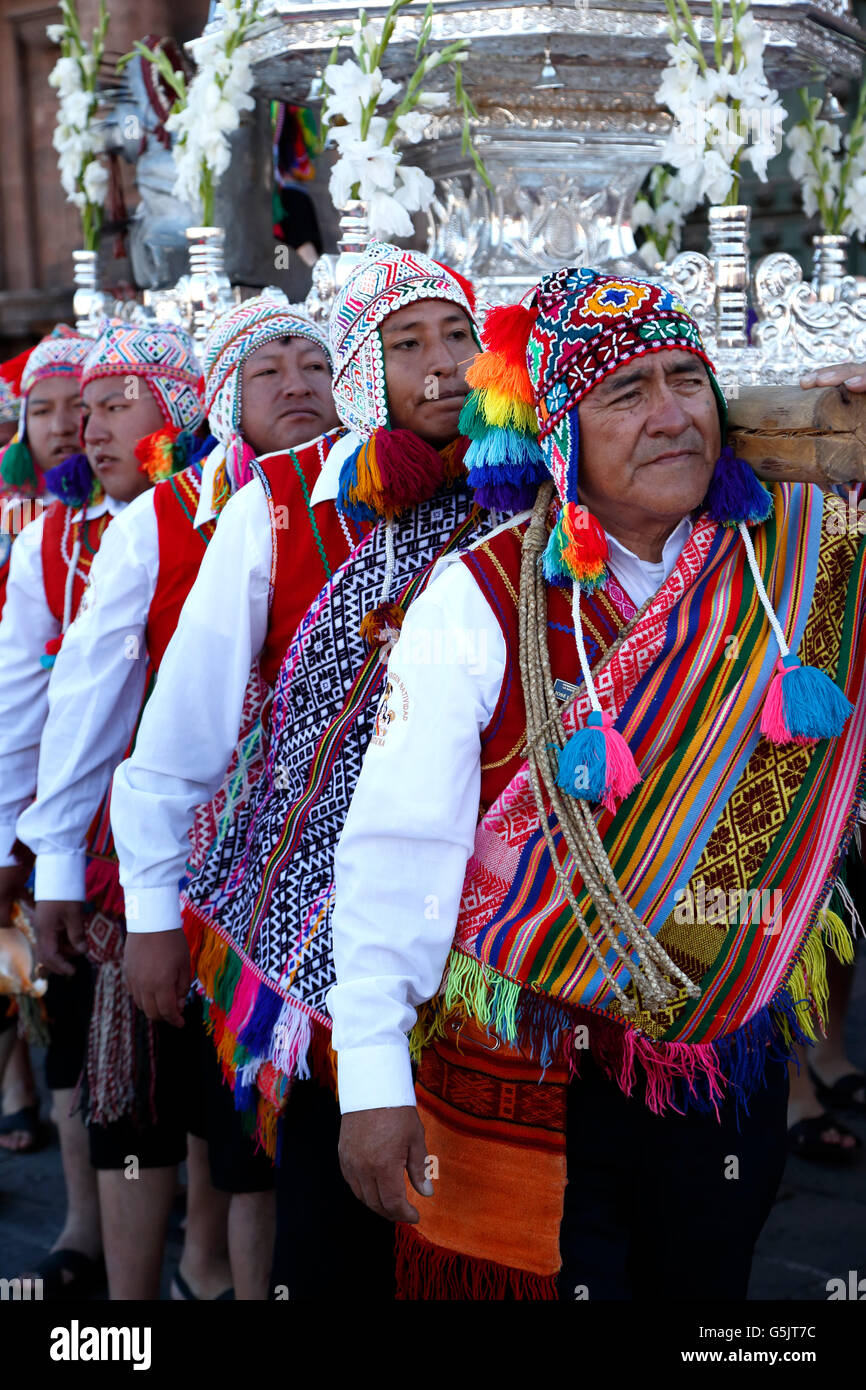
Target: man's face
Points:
x,y
53,420
118,412
286,395
428,349
649,440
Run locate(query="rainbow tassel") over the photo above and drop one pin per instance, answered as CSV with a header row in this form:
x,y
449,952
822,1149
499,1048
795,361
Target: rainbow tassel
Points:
x,y
492,371
576,550
164,452
802,704
597,764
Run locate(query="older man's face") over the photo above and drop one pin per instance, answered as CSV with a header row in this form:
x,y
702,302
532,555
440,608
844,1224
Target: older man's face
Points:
x,y
649,439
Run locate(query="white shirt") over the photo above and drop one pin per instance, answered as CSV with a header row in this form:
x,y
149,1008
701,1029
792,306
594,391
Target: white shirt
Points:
x,y
191,722
401,860
95,693
27,624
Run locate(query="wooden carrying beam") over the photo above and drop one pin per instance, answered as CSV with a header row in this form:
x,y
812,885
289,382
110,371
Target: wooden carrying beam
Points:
x,y
816,436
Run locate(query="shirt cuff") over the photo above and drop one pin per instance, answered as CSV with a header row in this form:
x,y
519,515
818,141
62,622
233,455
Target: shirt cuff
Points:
x,y
152,909
60,877
375,1077
8,837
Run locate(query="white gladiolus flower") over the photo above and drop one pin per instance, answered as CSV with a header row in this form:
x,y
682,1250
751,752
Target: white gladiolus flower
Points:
x,y
434,100
718,177
641,214
56,32
416,189
413,125
65,76
88,62
95,182
351,90
76,108
388,217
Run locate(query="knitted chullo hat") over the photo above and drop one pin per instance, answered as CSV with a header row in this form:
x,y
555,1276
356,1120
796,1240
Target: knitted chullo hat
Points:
x,y
233,338
61,353
541,360
390,470
165,357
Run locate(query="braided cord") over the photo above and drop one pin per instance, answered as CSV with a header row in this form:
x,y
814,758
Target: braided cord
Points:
x,y
546,735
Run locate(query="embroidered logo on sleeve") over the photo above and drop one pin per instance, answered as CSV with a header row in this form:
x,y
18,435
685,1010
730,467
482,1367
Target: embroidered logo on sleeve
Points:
x,y
393,709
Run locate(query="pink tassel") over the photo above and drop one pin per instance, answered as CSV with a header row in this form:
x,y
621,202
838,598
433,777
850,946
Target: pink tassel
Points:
x,y
773,724
242,1004
622,774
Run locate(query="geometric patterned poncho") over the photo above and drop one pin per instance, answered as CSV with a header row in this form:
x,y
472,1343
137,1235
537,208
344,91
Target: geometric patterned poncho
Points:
x,y
727,848
258,916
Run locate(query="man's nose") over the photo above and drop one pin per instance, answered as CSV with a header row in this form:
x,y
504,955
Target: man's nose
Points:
x,y
667,415
66,421
442,359
294,382
95,429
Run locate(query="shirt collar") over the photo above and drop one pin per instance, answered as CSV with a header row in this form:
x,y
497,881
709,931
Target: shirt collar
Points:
x,y
327,486
670,550
105,504
205,511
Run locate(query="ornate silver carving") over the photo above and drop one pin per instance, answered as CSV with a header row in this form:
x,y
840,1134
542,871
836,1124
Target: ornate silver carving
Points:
x,y
796,330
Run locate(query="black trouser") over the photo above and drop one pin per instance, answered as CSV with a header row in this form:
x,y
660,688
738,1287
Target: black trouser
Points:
x,y
328,1244
666,1207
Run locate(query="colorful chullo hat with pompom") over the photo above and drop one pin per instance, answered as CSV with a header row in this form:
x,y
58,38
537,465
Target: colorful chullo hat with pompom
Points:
x,y
578,327
267,318
61,353
164,356
389,470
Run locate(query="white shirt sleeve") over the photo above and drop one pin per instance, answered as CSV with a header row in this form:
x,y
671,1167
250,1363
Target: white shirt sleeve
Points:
x,y
192,720
94,698
401,860
27,624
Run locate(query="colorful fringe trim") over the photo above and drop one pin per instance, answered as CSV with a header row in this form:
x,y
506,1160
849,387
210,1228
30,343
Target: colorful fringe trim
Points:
x,y
262,1039
675,1073
426,1271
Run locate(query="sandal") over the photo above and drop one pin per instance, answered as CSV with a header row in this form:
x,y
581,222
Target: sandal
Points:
x,y
24,1121
805,1140
88,1276
186,1292
840,1096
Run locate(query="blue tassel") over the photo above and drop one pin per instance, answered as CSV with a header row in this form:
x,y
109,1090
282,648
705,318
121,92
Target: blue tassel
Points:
x,y
246,1095
256,1032
814,705
583,762
46,661
735,493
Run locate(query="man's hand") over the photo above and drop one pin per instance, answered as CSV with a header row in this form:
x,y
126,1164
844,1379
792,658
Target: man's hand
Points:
x,y
850,374
376,1146
59,928
12,881
158,974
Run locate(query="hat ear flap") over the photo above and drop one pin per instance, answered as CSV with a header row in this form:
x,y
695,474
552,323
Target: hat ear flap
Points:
x,y
504,459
